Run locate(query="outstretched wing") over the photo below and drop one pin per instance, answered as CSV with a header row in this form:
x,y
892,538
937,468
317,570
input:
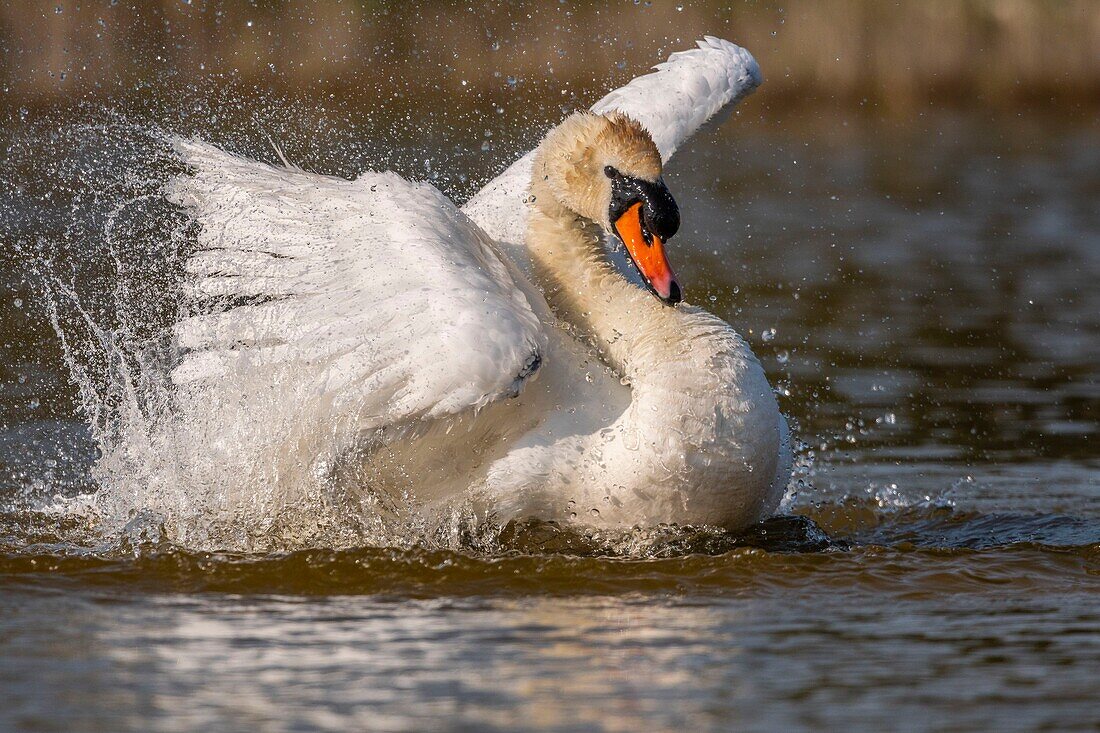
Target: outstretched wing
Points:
x,y
375,298
692,89
682,95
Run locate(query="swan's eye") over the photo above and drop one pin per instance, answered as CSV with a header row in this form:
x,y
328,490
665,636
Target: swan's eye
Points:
x,y
609,171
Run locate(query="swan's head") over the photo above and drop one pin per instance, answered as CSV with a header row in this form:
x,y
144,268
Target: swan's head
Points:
x,y
607,169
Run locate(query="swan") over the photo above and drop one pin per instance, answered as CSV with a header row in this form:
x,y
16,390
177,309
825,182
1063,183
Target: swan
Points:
x,y
370,337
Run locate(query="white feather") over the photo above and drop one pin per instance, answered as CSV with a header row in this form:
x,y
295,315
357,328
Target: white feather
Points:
x,y
378,293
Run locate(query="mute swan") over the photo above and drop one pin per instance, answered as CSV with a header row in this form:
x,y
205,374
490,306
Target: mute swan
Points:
x,y
370,328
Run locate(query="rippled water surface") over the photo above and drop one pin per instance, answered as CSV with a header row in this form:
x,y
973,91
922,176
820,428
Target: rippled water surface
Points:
x,y
923,294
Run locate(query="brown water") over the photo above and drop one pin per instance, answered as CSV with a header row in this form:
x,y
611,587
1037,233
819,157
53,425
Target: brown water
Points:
x,y
931,284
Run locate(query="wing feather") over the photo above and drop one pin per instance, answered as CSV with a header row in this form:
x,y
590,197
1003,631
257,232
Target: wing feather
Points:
x,y
375,297
692,89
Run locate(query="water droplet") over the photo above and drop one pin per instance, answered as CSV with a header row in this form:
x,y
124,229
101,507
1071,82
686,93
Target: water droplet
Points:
x,y
18,302
594,512
783,356
768,334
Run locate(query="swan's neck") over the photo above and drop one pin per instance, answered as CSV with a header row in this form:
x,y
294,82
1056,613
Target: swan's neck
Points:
x,y
700,403
631,329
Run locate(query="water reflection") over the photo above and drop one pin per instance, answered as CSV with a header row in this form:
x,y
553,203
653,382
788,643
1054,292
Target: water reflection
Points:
x,y
651,663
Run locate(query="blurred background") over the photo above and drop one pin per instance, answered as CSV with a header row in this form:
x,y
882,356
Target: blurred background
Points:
x,y
876,55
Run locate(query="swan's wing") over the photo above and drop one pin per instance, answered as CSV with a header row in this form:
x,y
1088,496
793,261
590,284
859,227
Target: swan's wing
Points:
x,y
690,90
376,298
681,96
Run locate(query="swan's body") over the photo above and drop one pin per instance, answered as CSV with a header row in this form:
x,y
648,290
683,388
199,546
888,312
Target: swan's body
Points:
x,y
371,324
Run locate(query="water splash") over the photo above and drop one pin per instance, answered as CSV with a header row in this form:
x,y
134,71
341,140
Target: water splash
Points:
x,y
108,267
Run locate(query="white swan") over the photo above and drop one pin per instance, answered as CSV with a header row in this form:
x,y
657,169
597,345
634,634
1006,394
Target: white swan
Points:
x,y
369,328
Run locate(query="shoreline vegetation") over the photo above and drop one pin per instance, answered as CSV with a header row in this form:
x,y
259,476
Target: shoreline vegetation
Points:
x,y
893,57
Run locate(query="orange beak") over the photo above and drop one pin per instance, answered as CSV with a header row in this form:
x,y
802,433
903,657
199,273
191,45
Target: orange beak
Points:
x,y
647,252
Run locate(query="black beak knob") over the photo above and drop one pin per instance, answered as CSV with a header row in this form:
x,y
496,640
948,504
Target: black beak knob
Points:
x,y
659,211
662,215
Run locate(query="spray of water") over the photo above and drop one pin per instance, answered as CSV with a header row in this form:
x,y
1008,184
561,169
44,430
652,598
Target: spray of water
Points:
x,y
198,464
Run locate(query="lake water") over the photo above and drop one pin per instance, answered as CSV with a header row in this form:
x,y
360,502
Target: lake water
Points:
x,y
922,292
